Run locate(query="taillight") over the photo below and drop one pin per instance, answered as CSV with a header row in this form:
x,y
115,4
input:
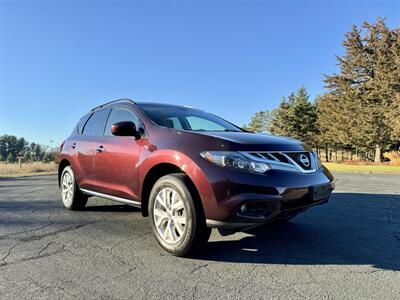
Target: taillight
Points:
x,y
62,145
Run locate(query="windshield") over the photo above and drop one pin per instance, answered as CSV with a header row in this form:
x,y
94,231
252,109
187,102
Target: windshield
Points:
x,y
185,118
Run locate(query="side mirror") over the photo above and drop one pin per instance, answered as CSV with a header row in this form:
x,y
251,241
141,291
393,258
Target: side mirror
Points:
x,y
125,128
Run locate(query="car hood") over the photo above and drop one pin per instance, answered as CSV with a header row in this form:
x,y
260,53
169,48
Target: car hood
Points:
x,y
247,141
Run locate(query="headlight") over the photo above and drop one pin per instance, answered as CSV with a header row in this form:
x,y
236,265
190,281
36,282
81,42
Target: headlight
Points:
x,y
235,160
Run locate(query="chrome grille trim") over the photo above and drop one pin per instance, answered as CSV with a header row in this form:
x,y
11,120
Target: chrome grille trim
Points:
x,y
290,165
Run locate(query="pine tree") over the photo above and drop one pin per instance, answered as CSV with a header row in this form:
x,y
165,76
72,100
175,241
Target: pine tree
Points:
x,y
281,119
304,117
334,121
38,152
394,111
296,117
10,158
11,144
362,94
394,116
245,127
260,121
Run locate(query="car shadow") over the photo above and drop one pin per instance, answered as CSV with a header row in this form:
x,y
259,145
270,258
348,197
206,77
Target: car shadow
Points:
x,y
353,228
112,208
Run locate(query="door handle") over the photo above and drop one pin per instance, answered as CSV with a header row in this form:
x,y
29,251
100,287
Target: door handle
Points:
x,y
100,149
73,145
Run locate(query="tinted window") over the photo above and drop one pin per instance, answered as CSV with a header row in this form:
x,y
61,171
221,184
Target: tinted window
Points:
x,y
82,122
96,123
120,114
186,118
175,123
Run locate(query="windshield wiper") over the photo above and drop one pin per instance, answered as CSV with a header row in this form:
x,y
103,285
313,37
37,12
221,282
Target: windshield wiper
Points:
x,y
231,130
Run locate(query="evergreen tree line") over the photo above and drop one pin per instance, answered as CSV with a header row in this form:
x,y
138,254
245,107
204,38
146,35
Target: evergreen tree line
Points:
x,y
11,147
360,110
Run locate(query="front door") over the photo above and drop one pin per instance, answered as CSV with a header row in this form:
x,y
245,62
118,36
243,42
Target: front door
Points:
x,y
117,158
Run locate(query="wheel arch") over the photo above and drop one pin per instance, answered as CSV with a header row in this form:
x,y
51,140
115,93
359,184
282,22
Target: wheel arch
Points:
x,y
63,163
158,171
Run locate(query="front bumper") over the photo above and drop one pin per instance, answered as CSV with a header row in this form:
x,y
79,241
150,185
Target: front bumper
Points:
x,y
253,200
273,211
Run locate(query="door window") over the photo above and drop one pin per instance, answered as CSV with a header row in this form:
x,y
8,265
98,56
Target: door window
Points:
x,y
119,114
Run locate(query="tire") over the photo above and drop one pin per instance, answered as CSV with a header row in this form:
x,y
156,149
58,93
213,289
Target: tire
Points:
x,y
72,197
177,220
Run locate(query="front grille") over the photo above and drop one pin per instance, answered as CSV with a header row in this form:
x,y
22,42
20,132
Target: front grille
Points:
x,y
303,159
296,161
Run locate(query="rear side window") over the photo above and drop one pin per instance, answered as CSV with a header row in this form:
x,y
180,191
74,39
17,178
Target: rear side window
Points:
x,y
95,124
119,114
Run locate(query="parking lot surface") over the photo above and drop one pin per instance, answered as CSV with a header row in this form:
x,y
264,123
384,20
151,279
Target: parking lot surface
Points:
x,y
347,248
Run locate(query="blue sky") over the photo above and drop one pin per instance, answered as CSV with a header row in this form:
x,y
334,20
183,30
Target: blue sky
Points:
x,y
58,59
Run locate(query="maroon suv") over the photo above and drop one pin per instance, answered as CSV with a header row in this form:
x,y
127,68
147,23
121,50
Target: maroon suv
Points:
x,y
189,170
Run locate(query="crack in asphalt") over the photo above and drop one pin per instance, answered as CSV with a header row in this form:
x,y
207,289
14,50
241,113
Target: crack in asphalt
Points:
x,y
40,237
198,268
119,259
65,229
39,256
194,292
29,230
3,260
47,246
249,279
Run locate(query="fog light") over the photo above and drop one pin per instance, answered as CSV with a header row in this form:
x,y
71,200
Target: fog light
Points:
x,y
243,208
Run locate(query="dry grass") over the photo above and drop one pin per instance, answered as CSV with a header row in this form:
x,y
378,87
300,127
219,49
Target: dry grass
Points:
x,y
394,157
27,169
362,168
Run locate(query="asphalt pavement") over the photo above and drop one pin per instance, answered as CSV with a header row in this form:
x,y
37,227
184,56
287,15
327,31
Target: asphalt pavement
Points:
x,y
347,248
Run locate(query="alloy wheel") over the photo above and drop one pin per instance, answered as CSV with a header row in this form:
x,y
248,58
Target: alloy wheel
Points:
x,y
169,215
67,189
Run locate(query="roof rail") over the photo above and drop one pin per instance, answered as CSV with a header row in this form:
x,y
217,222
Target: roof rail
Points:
x,y
114,101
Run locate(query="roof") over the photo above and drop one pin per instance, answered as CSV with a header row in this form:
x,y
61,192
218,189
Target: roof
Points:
x,y
114,101
162,105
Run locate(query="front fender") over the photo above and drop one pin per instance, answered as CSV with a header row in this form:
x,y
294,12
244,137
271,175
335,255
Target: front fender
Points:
x,y
184,163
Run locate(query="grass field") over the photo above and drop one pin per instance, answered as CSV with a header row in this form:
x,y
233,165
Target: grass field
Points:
x,y
27,169
353,168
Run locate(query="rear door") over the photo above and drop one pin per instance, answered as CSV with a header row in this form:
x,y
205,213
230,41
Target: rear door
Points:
x,y
85,149
116,164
